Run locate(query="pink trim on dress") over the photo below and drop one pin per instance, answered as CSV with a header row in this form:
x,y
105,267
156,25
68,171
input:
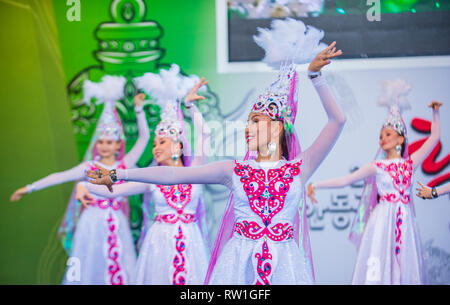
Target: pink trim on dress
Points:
x,y
266,198
177,197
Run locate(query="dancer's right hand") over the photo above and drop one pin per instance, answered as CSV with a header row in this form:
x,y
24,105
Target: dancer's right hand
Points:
x,y
312,193
82,194
17,195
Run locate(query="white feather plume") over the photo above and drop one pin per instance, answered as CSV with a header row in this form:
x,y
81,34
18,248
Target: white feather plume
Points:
x,y
393,93
168,85
109,89
289,39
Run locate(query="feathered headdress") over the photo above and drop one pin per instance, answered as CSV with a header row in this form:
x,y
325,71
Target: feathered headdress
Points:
x,y
168,88
393,96
108,91
287,43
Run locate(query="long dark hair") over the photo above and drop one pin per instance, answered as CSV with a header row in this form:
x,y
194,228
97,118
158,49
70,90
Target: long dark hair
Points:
x,y
404,142
283,142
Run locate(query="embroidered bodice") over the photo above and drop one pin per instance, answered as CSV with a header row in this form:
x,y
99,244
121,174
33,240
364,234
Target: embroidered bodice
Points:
x,y
394,180
176,199
266,198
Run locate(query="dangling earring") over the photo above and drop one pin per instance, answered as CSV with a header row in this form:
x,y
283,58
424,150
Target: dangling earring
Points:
x,y
116,154
272,147
399,149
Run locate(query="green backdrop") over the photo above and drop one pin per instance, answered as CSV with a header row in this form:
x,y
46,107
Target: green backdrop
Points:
x,y
41,53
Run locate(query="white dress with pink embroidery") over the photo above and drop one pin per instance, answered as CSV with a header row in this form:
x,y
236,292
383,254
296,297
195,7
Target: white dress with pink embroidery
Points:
x,y
390,249
102,251
173,251
266,197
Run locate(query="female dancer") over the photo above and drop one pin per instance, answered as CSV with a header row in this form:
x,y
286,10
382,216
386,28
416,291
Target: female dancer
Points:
x,y
174,250
265,247
102,240
384,229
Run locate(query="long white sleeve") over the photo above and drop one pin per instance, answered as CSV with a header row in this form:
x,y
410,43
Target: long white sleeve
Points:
x,y
214,173
132,157
119,190
75,173
315,154
362,173
203,136
418,156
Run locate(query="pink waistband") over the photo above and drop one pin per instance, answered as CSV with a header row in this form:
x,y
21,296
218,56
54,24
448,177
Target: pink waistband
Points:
x,y
108,203
252,230
173,218
394,198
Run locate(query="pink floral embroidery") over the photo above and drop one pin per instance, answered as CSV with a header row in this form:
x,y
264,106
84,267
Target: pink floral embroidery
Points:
x,y
114,269
114,273
263,266
173,218
177,197
398,232
179,276
266,199
401,174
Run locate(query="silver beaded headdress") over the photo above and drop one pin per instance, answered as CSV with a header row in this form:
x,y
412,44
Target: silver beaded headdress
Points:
x,y
168,88
287,43
393,96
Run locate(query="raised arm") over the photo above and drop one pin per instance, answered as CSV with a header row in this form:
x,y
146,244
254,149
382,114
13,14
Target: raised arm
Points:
x,y
418,156
132,157
75,173
315,154
200,127
362,173
214,173
203,137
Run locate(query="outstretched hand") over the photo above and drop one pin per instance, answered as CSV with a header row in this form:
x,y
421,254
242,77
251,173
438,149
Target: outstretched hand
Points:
x,y
101,177
18,194
323,58
312,193
424,192
192,95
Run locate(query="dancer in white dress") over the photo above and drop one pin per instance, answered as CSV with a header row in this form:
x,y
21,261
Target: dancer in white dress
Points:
x,y
174,250
263,237
99,236
385,229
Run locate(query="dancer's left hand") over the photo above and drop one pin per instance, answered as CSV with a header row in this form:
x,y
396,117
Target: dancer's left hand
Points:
x,y
323,58
100,177
192,95
424,192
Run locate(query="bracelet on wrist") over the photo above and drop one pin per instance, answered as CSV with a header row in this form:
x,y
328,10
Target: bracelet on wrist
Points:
x,y
313,75
113,175
434,193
